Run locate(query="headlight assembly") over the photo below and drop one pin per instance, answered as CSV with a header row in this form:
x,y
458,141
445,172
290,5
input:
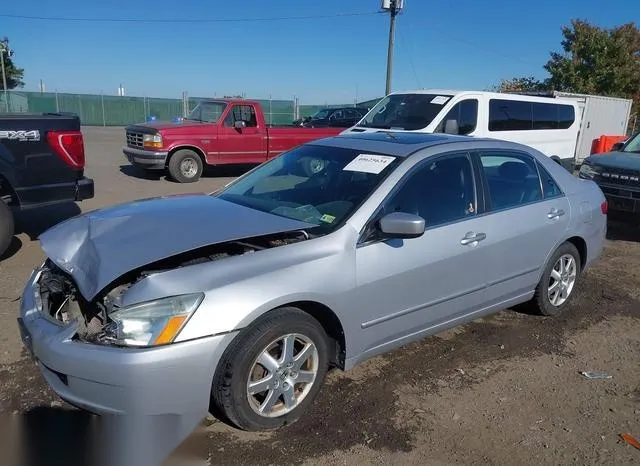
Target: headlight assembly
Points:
x,y
153,323
587,171
153,141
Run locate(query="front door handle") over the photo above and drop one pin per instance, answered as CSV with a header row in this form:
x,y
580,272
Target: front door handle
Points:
x,y
472,237
555,213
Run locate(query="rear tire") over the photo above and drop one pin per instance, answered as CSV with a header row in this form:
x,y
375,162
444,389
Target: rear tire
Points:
x,y
185,166
7,227
292,383
558,282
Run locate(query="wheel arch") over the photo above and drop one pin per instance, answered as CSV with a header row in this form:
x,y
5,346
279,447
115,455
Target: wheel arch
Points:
x,y
195,149
581,246
322,313
578,242
7,192
331,324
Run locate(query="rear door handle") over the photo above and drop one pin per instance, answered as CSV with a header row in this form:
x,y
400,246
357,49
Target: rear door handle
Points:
x,y
555,213
472,237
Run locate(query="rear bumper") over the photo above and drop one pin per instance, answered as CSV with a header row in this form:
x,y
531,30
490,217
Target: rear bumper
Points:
x,y
146,158
43,195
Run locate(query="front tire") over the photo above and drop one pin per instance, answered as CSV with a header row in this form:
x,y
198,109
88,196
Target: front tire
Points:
x,y
558,282
185,166
7,227
271,373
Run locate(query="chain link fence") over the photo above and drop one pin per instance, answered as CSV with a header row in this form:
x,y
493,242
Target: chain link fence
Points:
x,y
110,110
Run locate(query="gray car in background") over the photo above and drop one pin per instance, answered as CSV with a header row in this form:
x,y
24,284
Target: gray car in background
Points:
x,y
238,302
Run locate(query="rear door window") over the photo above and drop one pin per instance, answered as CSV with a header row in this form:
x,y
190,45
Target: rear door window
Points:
x,y
512,179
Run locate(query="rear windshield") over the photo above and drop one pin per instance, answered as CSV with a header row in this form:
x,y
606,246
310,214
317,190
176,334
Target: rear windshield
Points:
x,y
407,112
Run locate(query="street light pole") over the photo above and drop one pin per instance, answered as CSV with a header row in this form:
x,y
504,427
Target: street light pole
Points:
x,y
393,7
4,47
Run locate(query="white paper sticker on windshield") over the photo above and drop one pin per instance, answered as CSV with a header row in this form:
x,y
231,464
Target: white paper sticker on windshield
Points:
x,y
369,163
440,100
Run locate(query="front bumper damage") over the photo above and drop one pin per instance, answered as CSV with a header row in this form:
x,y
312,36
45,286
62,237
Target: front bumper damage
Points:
x,y
102,379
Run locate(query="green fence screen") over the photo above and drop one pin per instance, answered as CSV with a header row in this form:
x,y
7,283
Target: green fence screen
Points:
x,y
110,110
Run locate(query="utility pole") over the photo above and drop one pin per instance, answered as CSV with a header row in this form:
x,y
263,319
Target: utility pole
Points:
x,y
4,48
393,7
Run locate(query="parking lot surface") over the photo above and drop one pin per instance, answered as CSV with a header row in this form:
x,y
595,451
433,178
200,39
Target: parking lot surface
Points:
x,y
502,390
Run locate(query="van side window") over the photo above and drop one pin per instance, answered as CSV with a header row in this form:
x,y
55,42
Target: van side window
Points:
x,y
465,113
566,116
517,115
512,179
509,115
550,188
545,116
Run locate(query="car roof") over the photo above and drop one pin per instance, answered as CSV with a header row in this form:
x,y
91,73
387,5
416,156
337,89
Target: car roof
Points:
x,y
397,144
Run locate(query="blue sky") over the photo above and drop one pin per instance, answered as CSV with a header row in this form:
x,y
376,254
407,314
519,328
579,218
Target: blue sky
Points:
x,y
460,44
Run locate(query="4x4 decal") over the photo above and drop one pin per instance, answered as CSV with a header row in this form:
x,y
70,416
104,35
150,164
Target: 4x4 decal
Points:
x,y
20,135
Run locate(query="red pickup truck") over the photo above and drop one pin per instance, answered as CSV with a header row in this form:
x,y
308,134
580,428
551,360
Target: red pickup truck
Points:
x,y
216,132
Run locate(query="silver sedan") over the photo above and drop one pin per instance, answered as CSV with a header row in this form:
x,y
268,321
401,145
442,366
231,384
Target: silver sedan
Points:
x,y
239,302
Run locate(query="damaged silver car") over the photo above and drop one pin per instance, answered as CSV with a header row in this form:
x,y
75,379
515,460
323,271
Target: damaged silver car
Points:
x,y
238,302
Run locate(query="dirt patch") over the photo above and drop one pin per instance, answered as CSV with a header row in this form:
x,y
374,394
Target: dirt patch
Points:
x,y
500,390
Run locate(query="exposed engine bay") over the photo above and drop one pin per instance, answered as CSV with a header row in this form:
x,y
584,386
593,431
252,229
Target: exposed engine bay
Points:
x,y
62,302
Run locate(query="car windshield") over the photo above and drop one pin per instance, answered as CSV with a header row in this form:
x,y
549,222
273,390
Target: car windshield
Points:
x,y
208,112
633,145
407,112
316,184
321,115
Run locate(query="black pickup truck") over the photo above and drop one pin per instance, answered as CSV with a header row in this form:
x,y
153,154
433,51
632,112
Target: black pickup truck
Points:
x,y
618,175
41,163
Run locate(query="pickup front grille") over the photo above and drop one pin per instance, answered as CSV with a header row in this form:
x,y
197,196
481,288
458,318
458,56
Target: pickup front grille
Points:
x,y
134,139
616,176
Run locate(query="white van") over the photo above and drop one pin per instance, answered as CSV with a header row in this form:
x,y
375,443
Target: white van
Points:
x,y
550,125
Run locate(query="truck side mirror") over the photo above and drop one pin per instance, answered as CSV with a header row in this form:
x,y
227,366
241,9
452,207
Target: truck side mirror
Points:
x,y
451,127
239,124
617,147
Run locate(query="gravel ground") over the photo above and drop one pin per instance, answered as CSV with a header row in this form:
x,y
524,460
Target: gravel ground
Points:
x,y
503,390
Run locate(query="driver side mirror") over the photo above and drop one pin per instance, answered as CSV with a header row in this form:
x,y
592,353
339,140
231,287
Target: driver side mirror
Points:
x,y
617,146
239,124
402,225
451,127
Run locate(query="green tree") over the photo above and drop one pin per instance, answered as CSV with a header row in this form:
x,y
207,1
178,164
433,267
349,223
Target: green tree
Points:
x,y
13,74
593,60
597,61
525,84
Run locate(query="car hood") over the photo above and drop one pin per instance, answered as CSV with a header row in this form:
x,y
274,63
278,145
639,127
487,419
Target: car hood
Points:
x,y
98,247
623,160
153,126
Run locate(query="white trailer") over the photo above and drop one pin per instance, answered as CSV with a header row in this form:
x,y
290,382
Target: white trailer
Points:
x,y
599,116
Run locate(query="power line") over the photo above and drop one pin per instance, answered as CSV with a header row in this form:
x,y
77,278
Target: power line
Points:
x,y
409,55
185,20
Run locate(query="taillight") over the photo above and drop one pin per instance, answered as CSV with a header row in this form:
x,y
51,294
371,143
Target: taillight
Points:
x,y
69,145
604,207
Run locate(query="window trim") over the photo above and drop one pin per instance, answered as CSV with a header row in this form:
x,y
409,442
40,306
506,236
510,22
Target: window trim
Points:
x,y
488,202
375,216
539,167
